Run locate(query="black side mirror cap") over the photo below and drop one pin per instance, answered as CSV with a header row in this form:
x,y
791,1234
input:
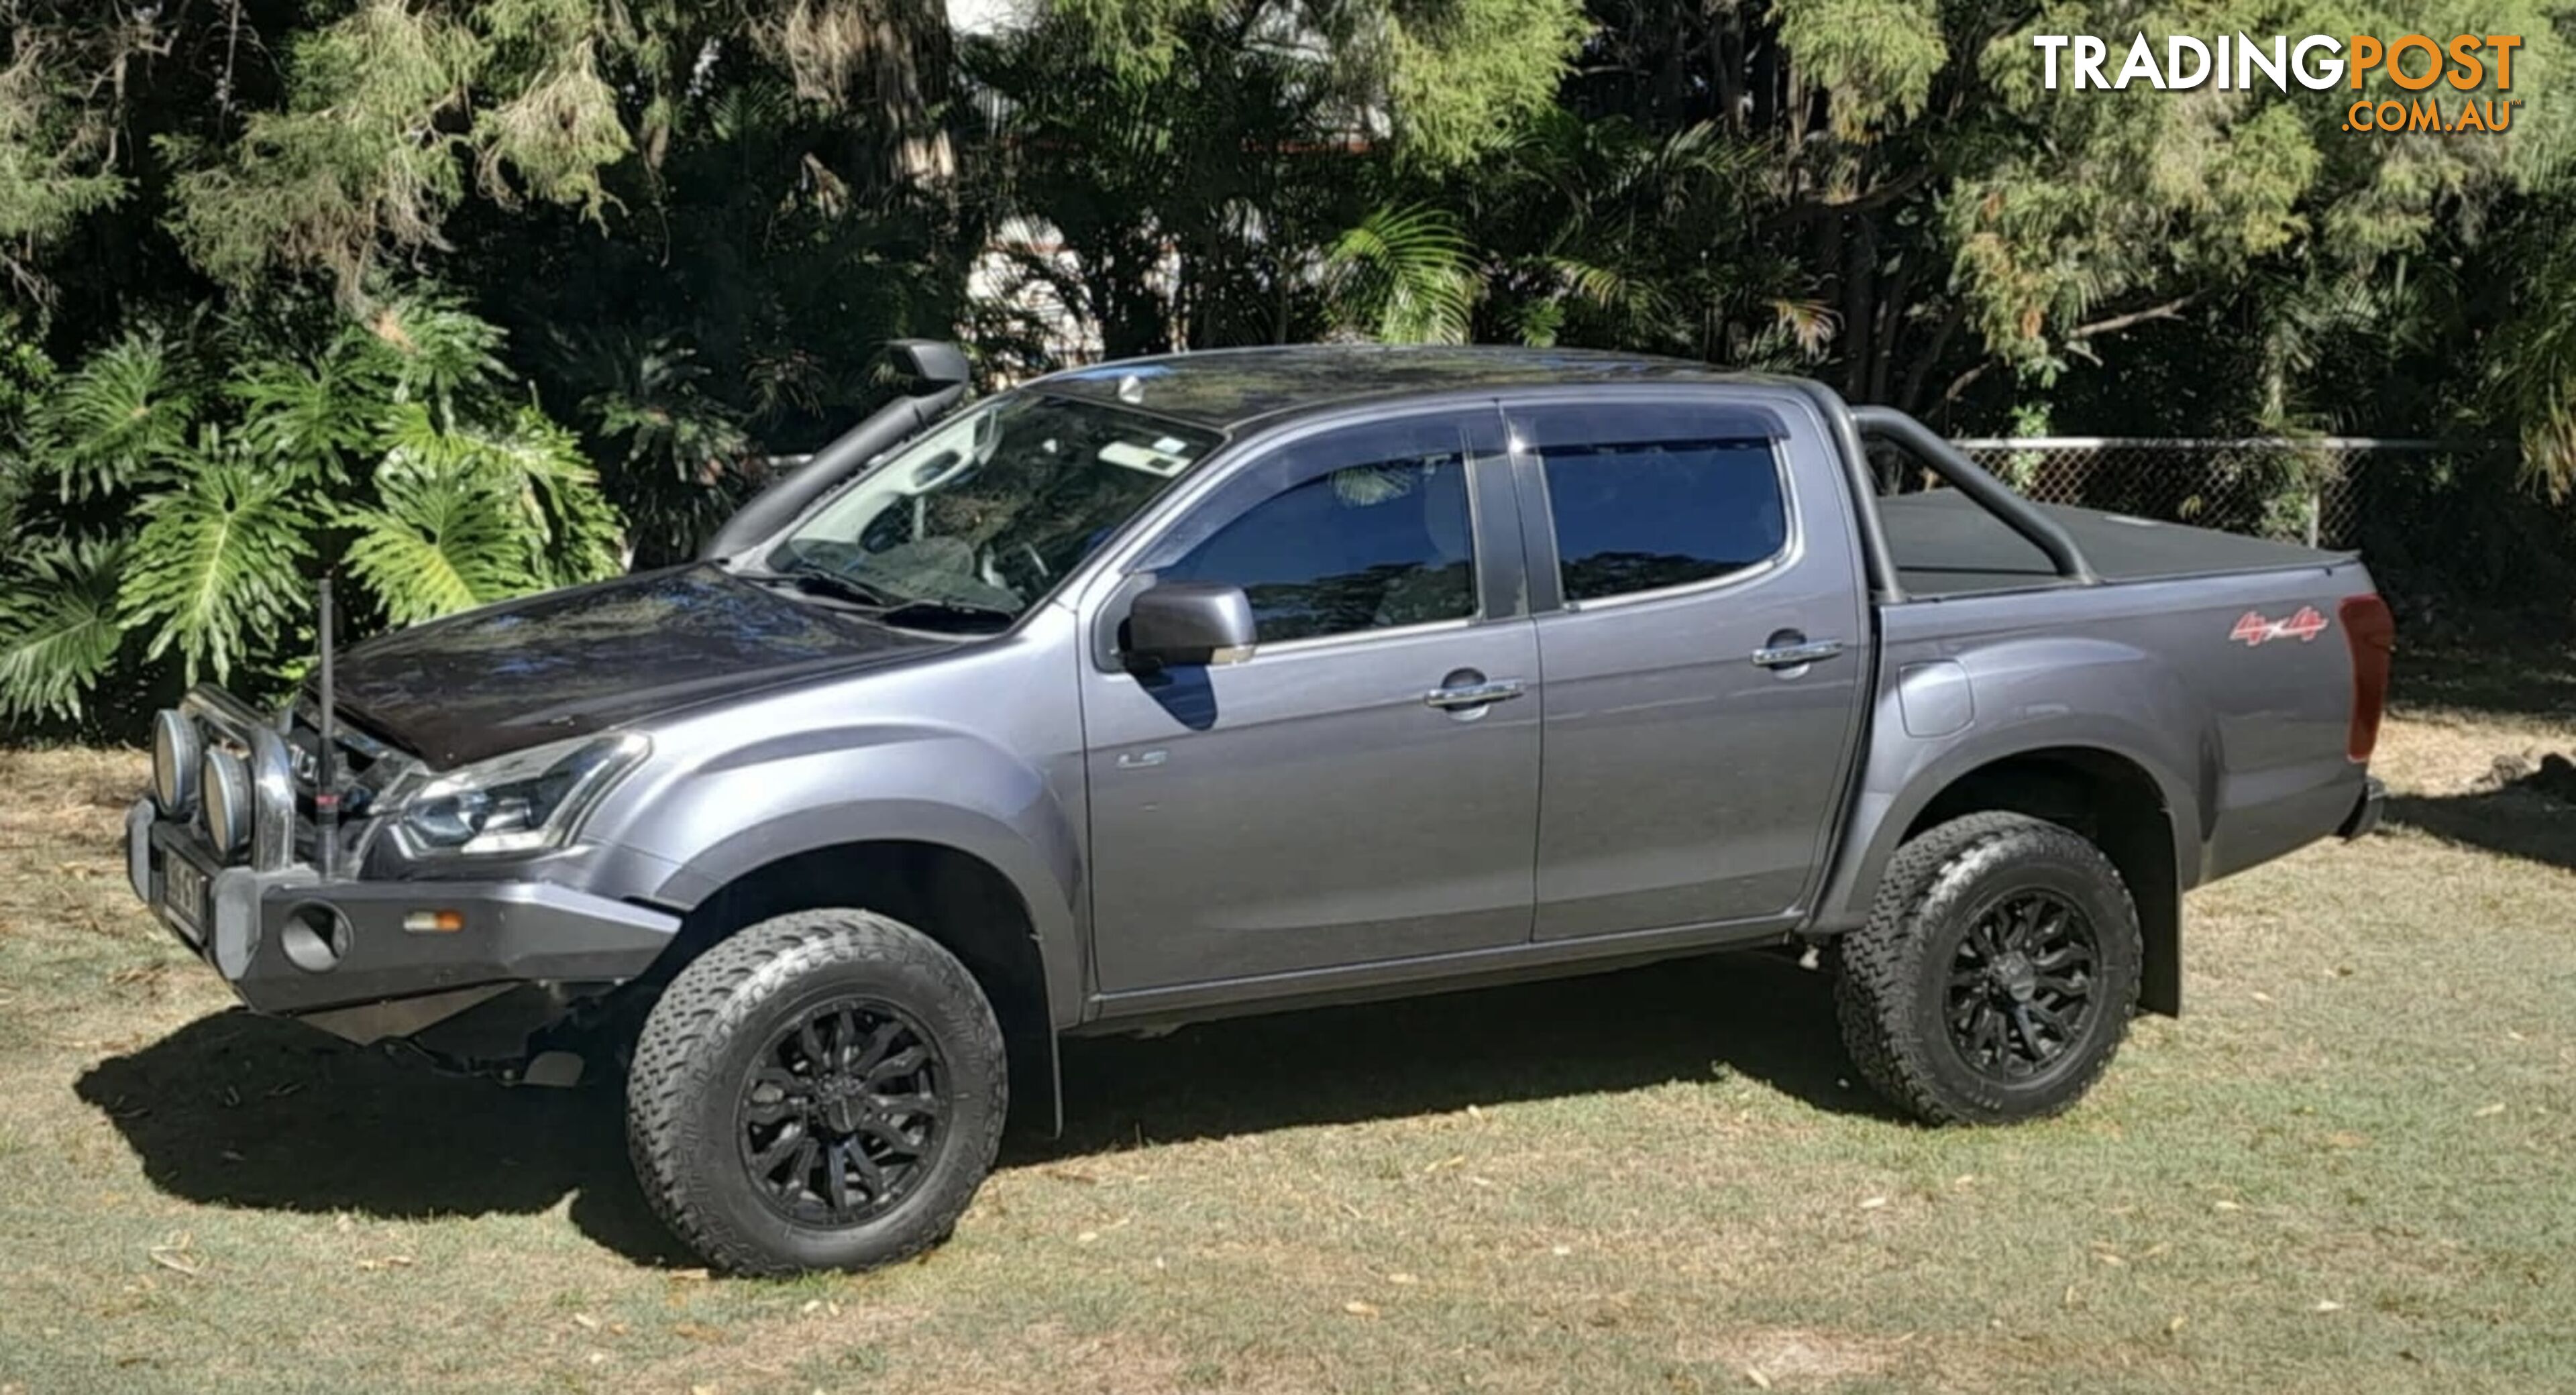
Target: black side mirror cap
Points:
x,y
933,362
1188,622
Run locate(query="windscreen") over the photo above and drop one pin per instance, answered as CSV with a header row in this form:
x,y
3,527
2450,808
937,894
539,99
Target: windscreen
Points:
x,y
997,506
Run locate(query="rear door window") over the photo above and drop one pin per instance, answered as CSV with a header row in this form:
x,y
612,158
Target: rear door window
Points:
x,y
1647,500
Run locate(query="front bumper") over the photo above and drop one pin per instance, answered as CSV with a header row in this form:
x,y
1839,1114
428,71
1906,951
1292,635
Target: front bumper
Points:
x,y
373,959
2366,811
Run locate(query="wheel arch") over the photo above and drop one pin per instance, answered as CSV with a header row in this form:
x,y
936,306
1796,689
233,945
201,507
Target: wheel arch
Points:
x,y
966,901
2112,800
2108,794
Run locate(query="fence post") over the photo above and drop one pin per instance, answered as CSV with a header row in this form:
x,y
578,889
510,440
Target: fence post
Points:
x,y
2316,506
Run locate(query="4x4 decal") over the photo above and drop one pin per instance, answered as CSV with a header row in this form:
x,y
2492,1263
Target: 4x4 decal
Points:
x,y
2253,629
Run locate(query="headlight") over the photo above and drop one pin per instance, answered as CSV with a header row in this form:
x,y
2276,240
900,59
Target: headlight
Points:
x,y
519,802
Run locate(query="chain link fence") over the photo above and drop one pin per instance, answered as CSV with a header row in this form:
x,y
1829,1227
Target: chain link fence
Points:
x,y
2314,490
2443,524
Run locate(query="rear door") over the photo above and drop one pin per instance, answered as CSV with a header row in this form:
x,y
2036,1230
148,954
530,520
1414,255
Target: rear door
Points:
x,y
1704,641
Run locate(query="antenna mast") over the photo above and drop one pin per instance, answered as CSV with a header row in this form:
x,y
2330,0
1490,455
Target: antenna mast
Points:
x,y
326,758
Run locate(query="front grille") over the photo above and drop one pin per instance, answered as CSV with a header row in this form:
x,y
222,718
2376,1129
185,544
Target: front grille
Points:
x,y
365,764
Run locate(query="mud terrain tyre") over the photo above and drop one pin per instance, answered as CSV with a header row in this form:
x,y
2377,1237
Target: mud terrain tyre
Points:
x,y
1997,974
824,1090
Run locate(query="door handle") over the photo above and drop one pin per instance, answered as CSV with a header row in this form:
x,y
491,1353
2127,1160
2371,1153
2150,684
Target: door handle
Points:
x,y
1800,651
1450,699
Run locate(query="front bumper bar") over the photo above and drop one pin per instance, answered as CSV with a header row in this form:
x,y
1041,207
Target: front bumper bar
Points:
x,y
293,945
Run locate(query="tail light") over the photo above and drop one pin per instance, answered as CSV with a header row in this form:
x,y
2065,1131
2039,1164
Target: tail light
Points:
x,y
2372,634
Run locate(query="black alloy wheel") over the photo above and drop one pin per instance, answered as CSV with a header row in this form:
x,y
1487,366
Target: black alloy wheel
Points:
x,y
842,1114
822,1090
2021,985
1997,972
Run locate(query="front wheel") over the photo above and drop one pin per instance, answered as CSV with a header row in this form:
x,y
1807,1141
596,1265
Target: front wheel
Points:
x,y
1997,974
824,1090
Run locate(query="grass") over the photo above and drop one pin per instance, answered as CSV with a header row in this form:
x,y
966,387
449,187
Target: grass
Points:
x,y
2344,1170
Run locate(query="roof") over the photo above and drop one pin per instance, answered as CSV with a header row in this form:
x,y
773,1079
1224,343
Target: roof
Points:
x,y
1228,387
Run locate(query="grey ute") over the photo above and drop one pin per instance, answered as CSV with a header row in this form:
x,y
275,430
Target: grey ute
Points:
x,y
1234,681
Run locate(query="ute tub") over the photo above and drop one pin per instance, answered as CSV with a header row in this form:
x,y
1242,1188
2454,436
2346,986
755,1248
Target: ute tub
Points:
x,y
1945,544
372,959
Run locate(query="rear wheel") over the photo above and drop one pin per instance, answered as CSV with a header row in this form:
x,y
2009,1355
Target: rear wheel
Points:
x,y
824,1090
1997,974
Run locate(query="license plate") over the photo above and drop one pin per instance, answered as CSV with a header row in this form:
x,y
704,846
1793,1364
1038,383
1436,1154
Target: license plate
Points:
x,y
183,894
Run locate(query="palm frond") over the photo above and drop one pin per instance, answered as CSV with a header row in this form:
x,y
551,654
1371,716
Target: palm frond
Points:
x,y
310,416
58,626
120,415
437,351
216,569
440,542
1404,276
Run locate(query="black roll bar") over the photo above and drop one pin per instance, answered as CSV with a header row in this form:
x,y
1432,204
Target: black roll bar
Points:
x,y
1971,479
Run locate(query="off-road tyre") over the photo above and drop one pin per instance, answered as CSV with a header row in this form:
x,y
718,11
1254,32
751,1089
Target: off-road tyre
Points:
x,y
1897,978
717,1030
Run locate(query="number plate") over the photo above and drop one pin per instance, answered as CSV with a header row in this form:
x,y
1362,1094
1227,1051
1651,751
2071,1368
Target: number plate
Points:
x,y
183,894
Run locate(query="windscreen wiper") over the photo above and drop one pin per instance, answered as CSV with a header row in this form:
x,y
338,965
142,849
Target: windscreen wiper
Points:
x,y
828,583
882,605
932,608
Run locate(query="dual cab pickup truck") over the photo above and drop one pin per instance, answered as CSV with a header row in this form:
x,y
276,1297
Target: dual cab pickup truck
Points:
x,y
1229,682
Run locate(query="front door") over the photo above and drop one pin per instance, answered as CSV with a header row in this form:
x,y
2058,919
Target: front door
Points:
x,y
1705,647
1365,786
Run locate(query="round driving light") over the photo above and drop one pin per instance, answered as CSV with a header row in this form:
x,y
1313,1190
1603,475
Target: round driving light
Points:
x,y
174,763
224,788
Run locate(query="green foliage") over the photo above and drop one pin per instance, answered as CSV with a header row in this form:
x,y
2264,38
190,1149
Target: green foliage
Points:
x,y
213,216
682,456
216,568
1405,276
2090,200
112,422
49,175
1460,78
387,109
59,627
359,156
1876,58
2530,380
439,540
1451,78
184,527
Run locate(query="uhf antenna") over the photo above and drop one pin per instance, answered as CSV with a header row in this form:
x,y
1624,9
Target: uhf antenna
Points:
x,y
326,773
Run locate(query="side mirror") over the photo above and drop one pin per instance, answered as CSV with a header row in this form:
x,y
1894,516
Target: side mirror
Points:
x,y
935,363
1189,622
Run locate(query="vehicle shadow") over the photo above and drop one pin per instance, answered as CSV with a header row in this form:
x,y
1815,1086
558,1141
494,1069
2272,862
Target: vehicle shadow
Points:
x,y
246,1111
1756,1015
2515,822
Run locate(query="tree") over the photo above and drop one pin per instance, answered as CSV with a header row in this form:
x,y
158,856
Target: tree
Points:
x,y
1906,198
1194,173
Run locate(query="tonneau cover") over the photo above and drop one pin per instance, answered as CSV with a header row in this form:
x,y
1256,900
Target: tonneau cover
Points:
x,y
1944,544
